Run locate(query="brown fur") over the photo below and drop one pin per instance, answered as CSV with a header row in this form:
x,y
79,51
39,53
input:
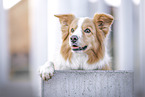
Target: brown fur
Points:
x,y
96,52
65,21
102,23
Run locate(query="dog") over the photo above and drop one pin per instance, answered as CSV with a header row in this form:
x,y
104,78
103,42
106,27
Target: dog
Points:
x,y
84,44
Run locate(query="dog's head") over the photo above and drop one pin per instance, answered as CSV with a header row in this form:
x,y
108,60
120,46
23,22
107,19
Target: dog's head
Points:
x,y
84,35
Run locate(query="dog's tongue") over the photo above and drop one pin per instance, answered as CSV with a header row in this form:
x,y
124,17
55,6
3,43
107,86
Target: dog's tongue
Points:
x,y
75,47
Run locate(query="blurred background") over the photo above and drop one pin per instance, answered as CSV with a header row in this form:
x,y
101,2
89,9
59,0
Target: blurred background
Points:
x,y
30,34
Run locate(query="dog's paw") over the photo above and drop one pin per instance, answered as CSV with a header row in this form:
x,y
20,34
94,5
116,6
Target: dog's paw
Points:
x,y
46,71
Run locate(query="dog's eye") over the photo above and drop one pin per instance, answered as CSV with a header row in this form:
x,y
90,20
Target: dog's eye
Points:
x,y
87,30
72,30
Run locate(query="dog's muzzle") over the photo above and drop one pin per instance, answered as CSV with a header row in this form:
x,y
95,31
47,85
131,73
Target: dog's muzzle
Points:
x,y
74,43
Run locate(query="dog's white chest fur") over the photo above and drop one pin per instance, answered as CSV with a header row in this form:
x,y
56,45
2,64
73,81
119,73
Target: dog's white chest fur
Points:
x,y
79,61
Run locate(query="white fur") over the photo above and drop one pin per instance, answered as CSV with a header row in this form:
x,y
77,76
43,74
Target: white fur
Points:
x,y
47,70
78,31
78,60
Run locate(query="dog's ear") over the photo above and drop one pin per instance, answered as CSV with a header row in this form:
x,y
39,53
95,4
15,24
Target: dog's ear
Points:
x,y
65,19
103,22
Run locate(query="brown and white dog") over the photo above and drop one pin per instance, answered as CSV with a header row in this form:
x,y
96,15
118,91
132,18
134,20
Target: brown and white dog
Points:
x,y
83,46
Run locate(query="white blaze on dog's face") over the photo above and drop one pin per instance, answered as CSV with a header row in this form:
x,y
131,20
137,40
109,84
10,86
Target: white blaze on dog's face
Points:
x,y
84,35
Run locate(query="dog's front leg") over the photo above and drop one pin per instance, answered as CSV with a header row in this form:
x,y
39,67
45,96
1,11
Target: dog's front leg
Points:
x,y
46,71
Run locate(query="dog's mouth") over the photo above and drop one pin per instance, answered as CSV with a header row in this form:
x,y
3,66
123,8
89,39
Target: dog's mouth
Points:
x,y
77,48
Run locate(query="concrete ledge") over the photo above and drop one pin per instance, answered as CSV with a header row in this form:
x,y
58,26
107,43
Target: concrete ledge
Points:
x,y
90,83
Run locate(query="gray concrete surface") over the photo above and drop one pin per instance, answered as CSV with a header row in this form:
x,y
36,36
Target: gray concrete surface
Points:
x,y
92,83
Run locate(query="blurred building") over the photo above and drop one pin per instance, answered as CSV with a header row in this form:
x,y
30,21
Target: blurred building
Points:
x,y
19,39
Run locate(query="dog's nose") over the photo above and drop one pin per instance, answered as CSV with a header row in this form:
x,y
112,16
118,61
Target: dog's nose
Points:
x,y
74,38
